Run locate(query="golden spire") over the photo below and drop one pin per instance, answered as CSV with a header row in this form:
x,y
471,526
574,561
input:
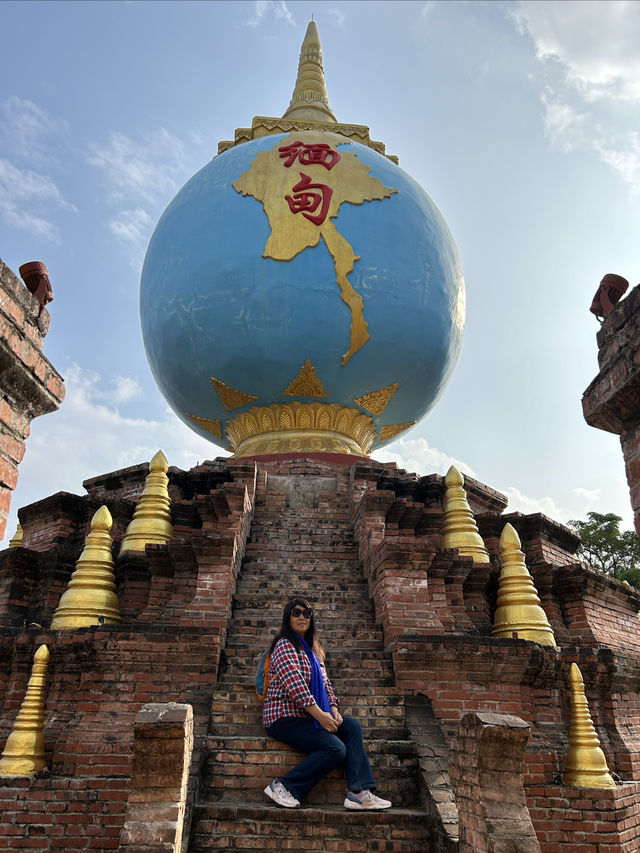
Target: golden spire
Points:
x,y
459,528
23,754
310,99
519,607
16,542
151,520
586,764
92,589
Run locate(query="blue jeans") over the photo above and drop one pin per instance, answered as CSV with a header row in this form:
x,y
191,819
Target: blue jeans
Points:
x,y
324,751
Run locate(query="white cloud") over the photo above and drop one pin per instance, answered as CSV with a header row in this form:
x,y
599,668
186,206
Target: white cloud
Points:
x,y
27,129
519,502
141,175
590,64
133,227
416,455
277,8
147,169
337,17
26,198
89,435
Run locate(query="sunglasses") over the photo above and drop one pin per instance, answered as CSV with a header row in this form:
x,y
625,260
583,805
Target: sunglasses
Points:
x,y
302,611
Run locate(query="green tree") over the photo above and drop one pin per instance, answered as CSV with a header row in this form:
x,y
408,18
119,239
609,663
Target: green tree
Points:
x,y
606,548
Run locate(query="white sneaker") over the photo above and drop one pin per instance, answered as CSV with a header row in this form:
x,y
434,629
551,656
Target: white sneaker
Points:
x,y
279,794
366,800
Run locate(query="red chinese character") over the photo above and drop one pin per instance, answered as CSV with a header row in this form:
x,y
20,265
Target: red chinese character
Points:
x,y
316,154
306,202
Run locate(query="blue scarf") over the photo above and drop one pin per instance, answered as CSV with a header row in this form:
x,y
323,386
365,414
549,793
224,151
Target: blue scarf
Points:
x,y
317,682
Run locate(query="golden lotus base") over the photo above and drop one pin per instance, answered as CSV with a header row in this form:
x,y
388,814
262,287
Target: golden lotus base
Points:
x,y
298,441
298,427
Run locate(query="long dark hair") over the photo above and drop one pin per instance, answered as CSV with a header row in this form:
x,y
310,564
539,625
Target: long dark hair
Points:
x,y
286,631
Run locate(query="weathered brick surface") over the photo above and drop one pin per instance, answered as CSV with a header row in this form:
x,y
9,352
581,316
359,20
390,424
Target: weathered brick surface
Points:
x,y
486,767
408,630
612,400
162,748
29,384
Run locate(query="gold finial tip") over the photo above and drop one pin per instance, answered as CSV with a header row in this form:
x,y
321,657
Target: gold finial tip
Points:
x,y
453,477
42,655
575,676
102,520
509,539
159,463
312,36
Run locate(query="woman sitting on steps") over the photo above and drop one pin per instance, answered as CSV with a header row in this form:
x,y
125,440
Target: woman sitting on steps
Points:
x,y
301,710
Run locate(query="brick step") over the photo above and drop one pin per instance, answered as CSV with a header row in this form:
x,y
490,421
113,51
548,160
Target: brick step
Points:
x,y
335,634
256,634
240,768
336,601
264,827
232,695
306,525
284,553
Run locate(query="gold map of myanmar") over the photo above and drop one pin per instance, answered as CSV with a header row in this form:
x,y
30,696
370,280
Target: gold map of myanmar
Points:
x,y
301,182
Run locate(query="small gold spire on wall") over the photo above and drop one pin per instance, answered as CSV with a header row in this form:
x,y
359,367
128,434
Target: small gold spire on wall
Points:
x,y
519,607
16,542
231,398
459,528
393,429
23,754
586,764
92,589
376,401
151,522
306,383
212,425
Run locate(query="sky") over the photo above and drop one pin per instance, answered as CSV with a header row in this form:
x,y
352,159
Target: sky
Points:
x,y
520,119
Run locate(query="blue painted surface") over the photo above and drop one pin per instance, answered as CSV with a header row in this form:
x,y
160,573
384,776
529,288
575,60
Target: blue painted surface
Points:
x,y
211,305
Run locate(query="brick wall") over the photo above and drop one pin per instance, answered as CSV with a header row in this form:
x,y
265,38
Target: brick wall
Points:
x,y
612,400
29,384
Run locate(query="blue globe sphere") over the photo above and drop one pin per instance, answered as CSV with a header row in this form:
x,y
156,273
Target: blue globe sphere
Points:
x,y
213,306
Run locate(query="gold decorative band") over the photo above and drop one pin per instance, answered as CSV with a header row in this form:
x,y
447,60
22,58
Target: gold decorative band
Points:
x,y
298,427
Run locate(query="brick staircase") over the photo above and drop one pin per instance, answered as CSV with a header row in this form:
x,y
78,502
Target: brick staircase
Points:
x,y
303,544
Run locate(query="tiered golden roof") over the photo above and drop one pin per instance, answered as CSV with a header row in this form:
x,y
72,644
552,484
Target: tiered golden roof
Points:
x,y
586,764
310,99
459,528
92,589
23,754
151,522
519,609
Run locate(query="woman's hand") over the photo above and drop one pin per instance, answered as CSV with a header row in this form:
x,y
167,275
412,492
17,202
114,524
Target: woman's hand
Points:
x,y
337,716
328,722
325,719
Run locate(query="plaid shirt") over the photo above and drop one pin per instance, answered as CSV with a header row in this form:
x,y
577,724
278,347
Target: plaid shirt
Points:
x,y
288,693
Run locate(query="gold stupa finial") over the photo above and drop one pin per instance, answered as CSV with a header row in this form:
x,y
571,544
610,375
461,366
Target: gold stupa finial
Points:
x,y
16,542
459,528
519,607
586,764
310,100
90,598
151,522
23,754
